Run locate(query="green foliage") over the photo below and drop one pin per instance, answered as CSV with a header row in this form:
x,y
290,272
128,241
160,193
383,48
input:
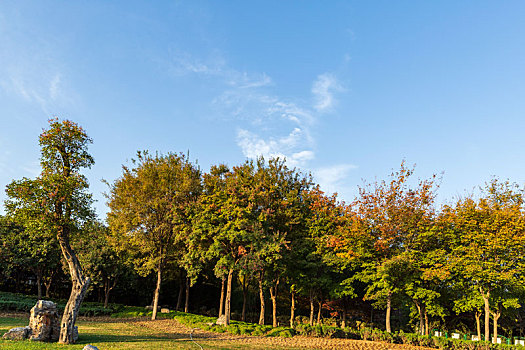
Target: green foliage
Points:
x,y
24,303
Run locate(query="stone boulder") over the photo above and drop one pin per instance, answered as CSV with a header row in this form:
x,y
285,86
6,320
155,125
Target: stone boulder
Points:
x,y
89,347
44,321
18,333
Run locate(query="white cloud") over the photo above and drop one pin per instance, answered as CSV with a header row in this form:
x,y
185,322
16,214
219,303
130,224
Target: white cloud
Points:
x,y
331,179
54,86
183,63
253,146
268,125
323,90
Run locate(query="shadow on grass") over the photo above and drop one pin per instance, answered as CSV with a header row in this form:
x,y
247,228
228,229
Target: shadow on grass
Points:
x,y
118,338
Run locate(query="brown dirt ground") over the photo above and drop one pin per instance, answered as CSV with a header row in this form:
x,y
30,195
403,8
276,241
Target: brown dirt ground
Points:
x,y
173,327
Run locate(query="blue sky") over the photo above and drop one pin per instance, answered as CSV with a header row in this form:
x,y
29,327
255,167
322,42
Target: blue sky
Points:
x,y
343,89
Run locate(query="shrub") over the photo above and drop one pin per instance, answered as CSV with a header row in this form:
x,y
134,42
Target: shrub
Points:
x,y
281,332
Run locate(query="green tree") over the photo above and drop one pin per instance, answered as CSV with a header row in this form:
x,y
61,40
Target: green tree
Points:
x,y
490,245
100,258
225,224
32,248
58,200
149,211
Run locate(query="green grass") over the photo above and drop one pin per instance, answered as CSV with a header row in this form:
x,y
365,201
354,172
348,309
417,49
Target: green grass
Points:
x,y
121,335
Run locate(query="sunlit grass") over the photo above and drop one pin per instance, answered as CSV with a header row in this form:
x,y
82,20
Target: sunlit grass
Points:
x,y
121,335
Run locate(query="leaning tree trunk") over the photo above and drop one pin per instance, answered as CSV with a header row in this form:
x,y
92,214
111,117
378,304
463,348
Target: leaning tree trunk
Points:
x,y
187,301
388,310
227,307
221,306
157,292
80,284
261,297
273,296
485,297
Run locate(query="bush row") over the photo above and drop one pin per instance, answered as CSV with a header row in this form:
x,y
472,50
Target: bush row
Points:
x,y
327,331
24,303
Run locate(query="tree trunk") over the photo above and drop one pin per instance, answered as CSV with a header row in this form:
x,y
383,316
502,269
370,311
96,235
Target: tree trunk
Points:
x,y
187,301
495,317
273,295
244,298
420,313
227,307
343,320
157,292
261,297
478,326
292,309
426,322
485,297
48,284
319,311
108,288
311,308
39,283
221,306
181,291
388,310
80,284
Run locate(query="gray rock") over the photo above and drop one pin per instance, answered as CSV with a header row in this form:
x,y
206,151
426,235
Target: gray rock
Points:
x,y
44,321
89,347
18,333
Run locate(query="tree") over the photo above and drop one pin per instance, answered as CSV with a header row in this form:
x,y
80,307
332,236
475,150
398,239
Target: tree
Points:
x,y
99,257
320,269
58,200
490,245
149,210
390,216
34,248
225,224
280,208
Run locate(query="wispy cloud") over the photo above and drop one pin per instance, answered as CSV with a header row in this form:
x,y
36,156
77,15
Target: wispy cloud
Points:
x,y
31,69
254,146
267,124
323,89
182,63
332,178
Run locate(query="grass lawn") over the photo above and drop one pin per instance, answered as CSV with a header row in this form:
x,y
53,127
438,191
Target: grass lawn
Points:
x,y
123,335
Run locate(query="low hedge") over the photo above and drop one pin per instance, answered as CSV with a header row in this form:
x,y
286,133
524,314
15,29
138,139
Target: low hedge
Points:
x,y
24,303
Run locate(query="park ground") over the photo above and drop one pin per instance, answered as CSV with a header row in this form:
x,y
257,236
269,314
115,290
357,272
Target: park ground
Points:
x,y
142,333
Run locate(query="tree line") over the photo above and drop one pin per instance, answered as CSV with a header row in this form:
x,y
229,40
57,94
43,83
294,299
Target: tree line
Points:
x,y
265,227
